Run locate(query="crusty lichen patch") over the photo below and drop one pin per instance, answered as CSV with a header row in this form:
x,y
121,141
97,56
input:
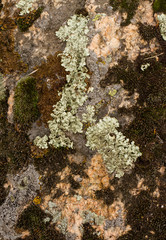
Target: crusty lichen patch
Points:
x,y
112,41
107,219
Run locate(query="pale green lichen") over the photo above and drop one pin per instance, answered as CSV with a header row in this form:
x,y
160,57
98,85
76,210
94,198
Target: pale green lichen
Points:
x,y
42,142
118,154
63,225
88,117
93,218
74,93
25,5
162,24
54,211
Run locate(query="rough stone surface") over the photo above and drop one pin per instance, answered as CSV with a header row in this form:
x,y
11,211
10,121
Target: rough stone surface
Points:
x,y
23,187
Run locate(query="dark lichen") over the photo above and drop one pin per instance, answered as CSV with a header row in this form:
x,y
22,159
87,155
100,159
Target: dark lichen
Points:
x,y
32,219
58,193
128,6
78,169
82,11
25,102
26,21
3,159
74,184
147,32
146,219
106,195
54,161
89,233
148,131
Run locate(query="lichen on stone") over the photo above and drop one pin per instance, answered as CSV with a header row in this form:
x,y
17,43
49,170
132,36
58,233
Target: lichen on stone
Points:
x,y
25,5
73,94
162,23
118,154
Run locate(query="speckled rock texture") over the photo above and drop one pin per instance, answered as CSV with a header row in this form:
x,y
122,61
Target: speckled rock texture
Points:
x,y
66,194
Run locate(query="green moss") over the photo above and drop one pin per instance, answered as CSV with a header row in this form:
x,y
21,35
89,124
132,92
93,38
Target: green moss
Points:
x,y
128,6
159,6
14,148
25,101
26,21
32,219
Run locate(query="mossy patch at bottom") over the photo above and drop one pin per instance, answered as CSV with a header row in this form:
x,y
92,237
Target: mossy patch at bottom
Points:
x,y
32,219
14,148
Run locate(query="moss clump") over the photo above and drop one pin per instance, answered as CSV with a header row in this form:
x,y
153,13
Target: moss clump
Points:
x,y
25,101
147,122
32,219
14,148
128,6
159,6
26,21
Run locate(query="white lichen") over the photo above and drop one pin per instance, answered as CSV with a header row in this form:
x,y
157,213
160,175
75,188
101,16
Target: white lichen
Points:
x,y
25,5
74,93
118,154
88,117
162,24
145,66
